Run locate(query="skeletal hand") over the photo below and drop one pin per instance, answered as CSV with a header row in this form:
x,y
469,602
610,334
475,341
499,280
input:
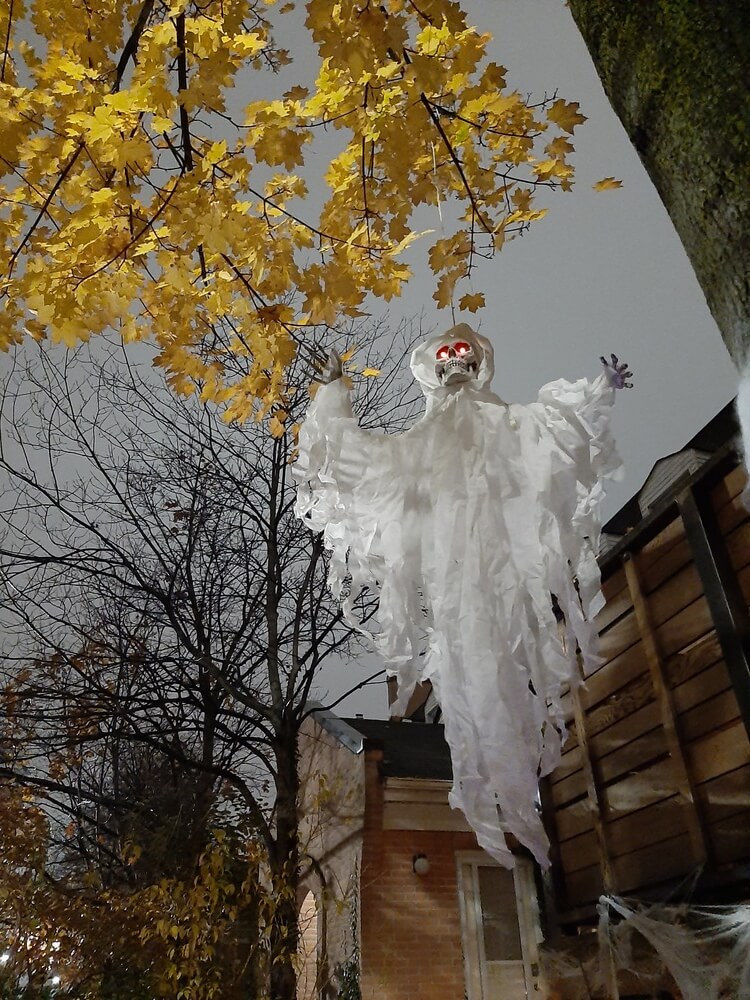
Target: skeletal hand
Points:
x,y
617,372
332,369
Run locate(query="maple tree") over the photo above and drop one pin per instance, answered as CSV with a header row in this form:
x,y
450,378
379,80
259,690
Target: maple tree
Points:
x,y
140,192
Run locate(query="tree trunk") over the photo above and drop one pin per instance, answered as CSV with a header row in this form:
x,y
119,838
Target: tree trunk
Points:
x,y
677,73
285,872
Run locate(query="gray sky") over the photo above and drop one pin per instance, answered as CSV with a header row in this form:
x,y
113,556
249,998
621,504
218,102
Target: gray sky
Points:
x,y
602,272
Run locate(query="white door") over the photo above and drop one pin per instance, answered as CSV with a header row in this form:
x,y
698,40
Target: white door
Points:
x,y
500,929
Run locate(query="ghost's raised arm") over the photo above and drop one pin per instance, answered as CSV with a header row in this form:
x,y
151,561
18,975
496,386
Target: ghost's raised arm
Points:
x,y
579,414
345,487
577,429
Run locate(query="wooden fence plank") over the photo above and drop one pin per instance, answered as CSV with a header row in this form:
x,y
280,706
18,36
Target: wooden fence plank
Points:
x,y
636,791
738,546
718,753
674,595
652,649
684,628
731,838
574,819
725,795
691,691
660,544
584,886
616,597
570,763
715,713
637,718
618,637
592,793
662,570
648,866
699,655
614,584
637,754
578,852
646,827
729,488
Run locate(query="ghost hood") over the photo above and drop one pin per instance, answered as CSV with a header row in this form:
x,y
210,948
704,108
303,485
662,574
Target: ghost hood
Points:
x,y
423,361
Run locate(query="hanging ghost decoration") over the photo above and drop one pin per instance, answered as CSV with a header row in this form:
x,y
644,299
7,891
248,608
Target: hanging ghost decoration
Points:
x,y
477,528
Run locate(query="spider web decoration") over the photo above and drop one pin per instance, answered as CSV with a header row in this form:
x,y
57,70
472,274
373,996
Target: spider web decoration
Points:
x,y
705,948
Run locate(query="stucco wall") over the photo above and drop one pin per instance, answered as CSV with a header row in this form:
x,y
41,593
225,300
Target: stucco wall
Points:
x,y
332,805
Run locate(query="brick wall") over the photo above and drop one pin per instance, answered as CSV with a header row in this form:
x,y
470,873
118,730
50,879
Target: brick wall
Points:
x,y
410,924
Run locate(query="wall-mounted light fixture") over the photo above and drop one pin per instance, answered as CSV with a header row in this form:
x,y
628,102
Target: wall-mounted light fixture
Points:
x,y
420,864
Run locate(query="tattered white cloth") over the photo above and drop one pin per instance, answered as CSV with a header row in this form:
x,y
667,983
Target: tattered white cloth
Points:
x,y
466,525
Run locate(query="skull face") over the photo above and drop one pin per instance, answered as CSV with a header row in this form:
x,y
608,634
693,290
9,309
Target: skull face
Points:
x,y
455,362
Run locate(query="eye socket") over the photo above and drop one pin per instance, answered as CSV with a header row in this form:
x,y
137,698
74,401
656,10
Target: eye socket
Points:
x,y
462,347
442,352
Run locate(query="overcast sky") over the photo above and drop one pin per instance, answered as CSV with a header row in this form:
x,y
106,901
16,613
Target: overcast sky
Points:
x,y
602,272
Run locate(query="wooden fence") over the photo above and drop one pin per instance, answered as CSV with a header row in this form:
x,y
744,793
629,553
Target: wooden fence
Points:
x,y
655,778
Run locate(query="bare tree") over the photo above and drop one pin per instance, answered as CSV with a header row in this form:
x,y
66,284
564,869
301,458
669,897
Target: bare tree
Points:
x,y
164,613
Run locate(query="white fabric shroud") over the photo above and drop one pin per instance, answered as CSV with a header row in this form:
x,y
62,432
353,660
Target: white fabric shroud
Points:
x,y
465,525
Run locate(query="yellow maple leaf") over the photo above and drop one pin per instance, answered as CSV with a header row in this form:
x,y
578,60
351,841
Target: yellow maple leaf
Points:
x,y
102,125
282,145
443,294
371,372
560,146
161,124
607,184
471,303
566,115
276,423
132,99
248,44
216,151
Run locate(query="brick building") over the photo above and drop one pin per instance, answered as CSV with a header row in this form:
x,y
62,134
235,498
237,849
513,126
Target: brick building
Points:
x,y
399,888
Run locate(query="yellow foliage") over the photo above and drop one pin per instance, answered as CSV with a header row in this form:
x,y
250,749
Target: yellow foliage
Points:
x,y
471,303
566,115
607,184
135,199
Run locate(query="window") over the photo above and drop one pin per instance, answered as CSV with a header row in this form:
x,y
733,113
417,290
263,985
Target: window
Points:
x,y
499,924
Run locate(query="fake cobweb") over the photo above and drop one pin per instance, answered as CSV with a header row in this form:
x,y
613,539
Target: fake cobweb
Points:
x,y
706,949
655,949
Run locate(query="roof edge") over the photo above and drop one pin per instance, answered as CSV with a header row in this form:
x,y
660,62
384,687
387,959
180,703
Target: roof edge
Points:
x,y
341,731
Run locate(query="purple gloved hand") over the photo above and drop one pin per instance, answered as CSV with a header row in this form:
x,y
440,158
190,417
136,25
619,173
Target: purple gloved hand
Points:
x,y
617,372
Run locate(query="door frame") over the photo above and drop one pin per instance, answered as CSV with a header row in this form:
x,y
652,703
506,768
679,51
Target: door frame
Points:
x,y
472,941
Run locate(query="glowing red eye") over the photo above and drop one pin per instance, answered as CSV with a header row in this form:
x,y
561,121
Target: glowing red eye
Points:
x,y
442,353
462,348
